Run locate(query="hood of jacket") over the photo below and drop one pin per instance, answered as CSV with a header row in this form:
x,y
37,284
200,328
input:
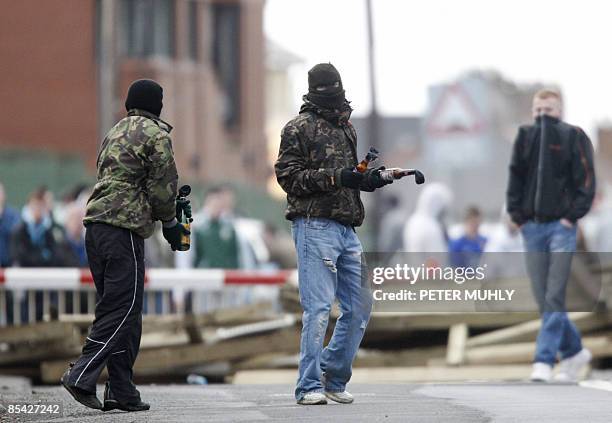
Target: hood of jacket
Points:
x,y
434,199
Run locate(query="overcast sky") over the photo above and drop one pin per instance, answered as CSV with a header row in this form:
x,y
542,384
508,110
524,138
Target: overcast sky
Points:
x,y
420,43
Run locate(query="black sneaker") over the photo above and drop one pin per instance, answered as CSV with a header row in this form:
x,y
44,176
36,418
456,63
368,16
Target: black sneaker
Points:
x,y
88,399
110,403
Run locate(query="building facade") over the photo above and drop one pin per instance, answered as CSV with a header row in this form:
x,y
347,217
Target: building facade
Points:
x,y
67,65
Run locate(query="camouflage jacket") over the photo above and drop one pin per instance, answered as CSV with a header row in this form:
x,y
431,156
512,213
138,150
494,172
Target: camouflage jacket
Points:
x,y
137,177
315,146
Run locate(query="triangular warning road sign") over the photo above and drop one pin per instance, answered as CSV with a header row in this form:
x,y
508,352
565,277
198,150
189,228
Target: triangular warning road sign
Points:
x,y
454,113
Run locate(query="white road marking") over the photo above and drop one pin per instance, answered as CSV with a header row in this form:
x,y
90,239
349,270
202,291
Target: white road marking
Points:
x,y
603,385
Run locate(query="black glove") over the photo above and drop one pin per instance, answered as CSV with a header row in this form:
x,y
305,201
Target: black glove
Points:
x,y
374,180
173,235
350,178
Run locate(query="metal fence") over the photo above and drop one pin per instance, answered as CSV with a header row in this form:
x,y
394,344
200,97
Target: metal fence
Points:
x,y
33,294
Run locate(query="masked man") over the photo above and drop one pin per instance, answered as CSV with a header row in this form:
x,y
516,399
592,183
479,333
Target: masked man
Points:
x,y
551,186
315,167
136,186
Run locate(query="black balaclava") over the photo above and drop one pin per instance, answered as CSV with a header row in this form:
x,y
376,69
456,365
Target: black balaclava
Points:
x,y
145,94
325,87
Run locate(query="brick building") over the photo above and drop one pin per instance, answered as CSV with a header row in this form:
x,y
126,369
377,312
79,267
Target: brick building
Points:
x,y
58,80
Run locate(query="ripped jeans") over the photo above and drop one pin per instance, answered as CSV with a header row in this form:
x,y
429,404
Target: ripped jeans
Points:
x,y
329,267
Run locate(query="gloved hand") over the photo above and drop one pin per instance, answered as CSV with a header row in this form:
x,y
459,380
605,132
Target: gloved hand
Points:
x,y
173,235
350,178
374,179
183,206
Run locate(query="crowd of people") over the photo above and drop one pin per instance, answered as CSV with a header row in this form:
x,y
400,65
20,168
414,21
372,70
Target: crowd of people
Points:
x,y
48,233
43,234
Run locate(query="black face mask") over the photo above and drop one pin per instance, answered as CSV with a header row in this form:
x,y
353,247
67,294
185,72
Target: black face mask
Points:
x,y
546,119
145,94
325,87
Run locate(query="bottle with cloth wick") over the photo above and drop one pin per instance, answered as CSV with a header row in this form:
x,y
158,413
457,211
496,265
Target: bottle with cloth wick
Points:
x,y
370,157
183,215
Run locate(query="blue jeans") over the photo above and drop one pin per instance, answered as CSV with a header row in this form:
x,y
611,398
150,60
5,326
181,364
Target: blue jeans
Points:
x,y
550,247
329,267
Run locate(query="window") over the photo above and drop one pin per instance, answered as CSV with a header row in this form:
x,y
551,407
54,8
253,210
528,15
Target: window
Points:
x,y
226,57
193,30
147,28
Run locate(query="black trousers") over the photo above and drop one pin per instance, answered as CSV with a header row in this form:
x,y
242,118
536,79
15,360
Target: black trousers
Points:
x,y
116,260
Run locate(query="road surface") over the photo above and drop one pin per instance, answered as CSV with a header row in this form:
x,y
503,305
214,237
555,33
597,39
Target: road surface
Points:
x,y
456,403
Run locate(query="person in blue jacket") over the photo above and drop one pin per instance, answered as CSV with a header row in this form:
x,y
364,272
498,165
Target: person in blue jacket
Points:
x,y
466,250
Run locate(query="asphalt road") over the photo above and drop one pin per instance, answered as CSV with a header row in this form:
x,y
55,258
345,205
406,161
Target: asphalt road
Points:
x,y
456,403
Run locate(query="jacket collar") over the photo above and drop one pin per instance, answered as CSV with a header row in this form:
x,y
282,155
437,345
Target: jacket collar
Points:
x,y
162,124
336,117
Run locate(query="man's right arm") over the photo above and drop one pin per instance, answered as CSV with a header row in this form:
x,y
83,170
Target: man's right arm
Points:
x,y
583,176
516,182
292,171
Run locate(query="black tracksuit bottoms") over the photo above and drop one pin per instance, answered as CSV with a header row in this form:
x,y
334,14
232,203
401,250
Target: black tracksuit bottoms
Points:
x,y
116,260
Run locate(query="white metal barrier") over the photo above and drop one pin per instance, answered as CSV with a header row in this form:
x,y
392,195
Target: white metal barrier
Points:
x,y
30,294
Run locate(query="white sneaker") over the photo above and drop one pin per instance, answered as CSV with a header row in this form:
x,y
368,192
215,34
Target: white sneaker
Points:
x,y
569,369
542,372
313,398
342,397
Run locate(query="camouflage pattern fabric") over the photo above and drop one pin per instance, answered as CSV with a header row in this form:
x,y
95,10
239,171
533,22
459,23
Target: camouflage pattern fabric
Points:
x,y
137,177
315,146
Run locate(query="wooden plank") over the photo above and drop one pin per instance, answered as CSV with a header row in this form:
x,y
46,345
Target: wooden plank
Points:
x,y
398,321
523,352
150,323
25,354
585,321
457,337
237,315
175,322
409,357
272,360
151,361
249,329
165,360
163,339
36,332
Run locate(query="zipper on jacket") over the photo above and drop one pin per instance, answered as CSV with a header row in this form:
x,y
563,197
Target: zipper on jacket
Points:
x,y
540,169
308,209
356,160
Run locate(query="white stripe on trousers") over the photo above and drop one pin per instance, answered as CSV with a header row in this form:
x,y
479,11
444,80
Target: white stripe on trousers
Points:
x,y
126,316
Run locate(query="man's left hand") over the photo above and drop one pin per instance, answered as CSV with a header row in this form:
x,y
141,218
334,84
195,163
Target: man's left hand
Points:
x,y
375,180
567,223
174,234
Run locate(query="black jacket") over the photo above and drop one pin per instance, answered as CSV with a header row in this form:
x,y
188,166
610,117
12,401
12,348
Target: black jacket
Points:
x,y
553,179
